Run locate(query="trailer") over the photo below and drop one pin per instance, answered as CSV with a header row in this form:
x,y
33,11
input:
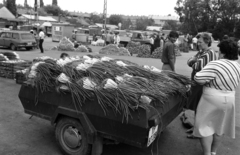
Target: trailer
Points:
x,y
79,132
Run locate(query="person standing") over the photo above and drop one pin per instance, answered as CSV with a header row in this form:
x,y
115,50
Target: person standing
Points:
x,y
116,39
197,62
152,38
194,40
168,55
41,37
108,38
216,110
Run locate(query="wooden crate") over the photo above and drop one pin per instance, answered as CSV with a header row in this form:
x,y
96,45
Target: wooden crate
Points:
x,y
8,70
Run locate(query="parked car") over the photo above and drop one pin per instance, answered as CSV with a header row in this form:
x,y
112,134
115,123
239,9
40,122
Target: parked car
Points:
x,y
17,39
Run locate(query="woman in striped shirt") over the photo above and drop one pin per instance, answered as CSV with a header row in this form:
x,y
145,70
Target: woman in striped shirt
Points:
x,y
215,114
197,62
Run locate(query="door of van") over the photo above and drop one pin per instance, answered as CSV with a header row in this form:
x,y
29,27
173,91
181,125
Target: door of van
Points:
x,y
2,38
15,39
8,39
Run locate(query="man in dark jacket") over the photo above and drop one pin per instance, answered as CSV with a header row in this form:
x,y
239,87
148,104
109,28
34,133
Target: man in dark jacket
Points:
x,y
168,55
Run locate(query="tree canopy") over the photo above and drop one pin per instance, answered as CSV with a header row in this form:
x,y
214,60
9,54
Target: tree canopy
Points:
x,y
54,2
41,3
115,19
11,6
53,10
96,19
142,23
218,17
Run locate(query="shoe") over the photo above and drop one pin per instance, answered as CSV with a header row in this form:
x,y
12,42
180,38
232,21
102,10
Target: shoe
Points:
x,y
213,153
189,130
192,137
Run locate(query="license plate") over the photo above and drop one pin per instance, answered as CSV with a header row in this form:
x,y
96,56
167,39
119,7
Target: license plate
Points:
x,y
30,43
152,135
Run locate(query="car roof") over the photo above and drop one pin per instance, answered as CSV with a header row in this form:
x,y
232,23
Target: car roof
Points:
x,y
12,31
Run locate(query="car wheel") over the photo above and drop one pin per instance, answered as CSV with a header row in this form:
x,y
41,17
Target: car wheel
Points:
x,y
13,47
71,137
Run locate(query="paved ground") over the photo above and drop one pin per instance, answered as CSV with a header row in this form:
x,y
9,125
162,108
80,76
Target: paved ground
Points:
x,y
20,135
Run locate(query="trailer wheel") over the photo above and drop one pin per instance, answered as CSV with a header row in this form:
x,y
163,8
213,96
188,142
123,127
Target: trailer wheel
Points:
x,y
71,137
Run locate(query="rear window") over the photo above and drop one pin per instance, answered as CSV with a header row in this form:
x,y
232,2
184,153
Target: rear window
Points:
x,y
27,36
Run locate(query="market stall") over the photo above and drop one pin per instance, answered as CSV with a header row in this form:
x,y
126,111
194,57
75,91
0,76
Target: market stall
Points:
x,y
60,30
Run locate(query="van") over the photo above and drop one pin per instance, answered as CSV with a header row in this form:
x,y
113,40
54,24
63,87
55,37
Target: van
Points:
x,y
17,39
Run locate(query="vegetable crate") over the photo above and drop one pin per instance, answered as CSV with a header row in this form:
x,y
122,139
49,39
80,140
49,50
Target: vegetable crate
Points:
x,y
8,70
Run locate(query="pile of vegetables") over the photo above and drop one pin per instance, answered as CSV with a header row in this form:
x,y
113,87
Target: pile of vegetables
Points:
x,y
67,45
132,47
10,55
113,49
157,53
144,51
115,83
3,58
82,49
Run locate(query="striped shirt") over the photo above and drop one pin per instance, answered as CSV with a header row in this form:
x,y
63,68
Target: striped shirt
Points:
x,y
201,59
222,74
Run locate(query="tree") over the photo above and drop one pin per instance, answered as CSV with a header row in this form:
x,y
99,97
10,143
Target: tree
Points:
x,y
53,10
216,16
41,3
1,5
54,2
126,24
4,2
171,25
42,12
11,6
115,19
96,19
142,23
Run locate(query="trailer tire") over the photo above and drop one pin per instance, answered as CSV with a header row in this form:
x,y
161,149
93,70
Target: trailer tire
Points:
x,y
71,137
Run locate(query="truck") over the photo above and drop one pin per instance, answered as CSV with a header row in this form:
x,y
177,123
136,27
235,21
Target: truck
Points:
x,y
140,36
79,132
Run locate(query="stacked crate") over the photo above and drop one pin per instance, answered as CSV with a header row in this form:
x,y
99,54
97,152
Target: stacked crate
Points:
x,y
8,70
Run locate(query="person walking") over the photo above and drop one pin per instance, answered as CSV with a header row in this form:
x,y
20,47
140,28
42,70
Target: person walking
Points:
x,y
168,55
216,110
41,37
197,62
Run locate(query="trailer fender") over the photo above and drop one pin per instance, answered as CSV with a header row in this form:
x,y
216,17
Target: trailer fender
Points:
x,y
81,116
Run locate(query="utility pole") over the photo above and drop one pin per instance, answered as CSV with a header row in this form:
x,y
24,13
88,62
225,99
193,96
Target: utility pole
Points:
x,y
105,19
35,9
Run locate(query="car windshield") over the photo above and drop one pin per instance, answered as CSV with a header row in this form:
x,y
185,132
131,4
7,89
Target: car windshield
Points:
x,y
26,36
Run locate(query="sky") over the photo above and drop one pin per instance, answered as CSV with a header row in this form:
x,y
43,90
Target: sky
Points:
x,y
125,7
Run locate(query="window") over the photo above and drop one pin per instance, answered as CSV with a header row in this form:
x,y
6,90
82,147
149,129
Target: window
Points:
x,y
27,36
15,36
3,35
8,35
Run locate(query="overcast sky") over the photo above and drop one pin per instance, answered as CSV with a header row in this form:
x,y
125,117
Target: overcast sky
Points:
x,y
127,7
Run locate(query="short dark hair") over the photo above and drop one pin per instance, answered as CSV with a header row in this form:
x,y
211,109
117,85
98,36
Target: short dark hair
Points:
x,y
229,48
206,38
64,55
225,37
173,34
